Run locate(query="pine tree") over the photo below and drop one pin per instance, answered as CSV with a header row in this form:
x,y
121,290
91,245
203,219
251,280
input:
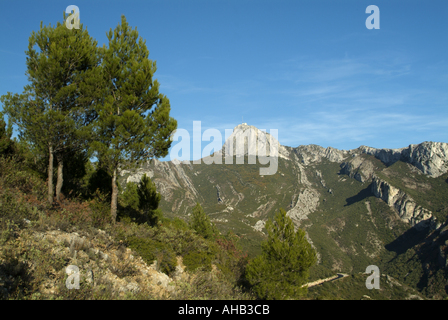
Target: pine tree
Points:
x,y
148,200
129,197
6,144
201,223
134,121
283,266
54,111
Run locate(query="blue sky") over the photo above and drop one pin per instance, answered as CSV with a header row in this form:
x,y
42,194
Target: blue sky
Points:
x,y
310,69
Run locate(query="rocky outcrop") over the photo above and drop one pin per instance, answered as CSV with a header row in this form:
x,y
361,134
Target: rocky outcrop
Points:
x,y
387,156
259,225
314,153
307,201
263,209
403,204
250,140
94,257
429,157
358,168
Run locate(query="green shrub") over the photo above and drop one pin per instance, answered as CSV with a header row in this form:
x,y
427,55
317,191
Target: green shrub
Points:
x,y
151,250
129,197
140,202
15,175
176,223
201,223
195,260
7,146
231,260
209,286
100,209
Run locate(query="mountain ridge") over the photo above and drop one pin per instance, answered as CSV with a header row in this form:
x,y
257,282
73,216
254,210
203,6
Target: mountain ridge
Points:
x,y
352,204
431,158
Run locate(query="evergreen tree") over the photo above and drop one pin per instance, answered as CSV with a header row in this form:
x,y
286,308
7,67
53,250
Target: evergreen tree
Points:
x,y
142,201
55,109
75,169
100,180
148,200
6,144
283,266
129,197
134,121
201,223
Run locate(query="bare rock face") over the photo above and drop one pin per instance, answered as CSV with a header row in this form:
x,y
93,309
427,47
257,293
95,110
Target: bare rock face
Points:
x,y
358,168
307,202
429,157
168,177
250,140
387,156
314,153
403,204
259,225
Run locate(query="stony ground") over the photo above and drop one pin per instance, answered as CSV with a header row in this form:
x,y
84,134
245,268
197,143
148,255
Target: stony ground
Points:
x,y
102,264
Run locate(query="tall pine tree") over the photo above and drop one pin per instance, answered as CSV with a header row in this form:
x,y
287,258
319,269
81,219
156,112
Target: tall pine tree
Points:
x,y
134,121
283,267
55,110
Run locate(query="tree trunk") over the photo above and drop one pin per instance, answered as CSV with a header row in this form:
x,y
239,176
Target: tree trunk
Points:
x,y
114,200
60,178
113,205
50,177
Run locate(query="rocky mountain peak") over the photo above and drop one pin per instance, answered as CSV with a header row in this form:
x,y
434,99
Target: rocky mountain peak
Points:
x,y
247,139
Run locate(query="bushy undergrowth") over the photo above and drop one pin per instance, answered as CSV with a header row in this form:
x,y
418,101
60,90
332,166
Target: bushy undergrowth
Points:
x,y
174,237
15,175
207,285
151,250
216,265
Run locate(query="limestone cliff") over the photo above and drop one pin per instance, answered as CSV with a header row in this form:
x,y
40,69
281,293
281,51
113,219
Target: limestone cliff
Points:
x,y
314,153
254,141
429,157
358,168
404,205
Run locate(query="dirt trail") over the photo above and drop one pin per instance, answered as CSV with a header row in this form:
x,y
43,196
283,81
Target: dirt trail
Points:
x,y
320,281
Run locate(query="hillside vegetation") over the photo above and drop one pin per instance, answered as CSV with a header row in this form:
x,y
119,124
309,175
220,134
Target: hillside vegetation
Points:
x,y
38,242
138,257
